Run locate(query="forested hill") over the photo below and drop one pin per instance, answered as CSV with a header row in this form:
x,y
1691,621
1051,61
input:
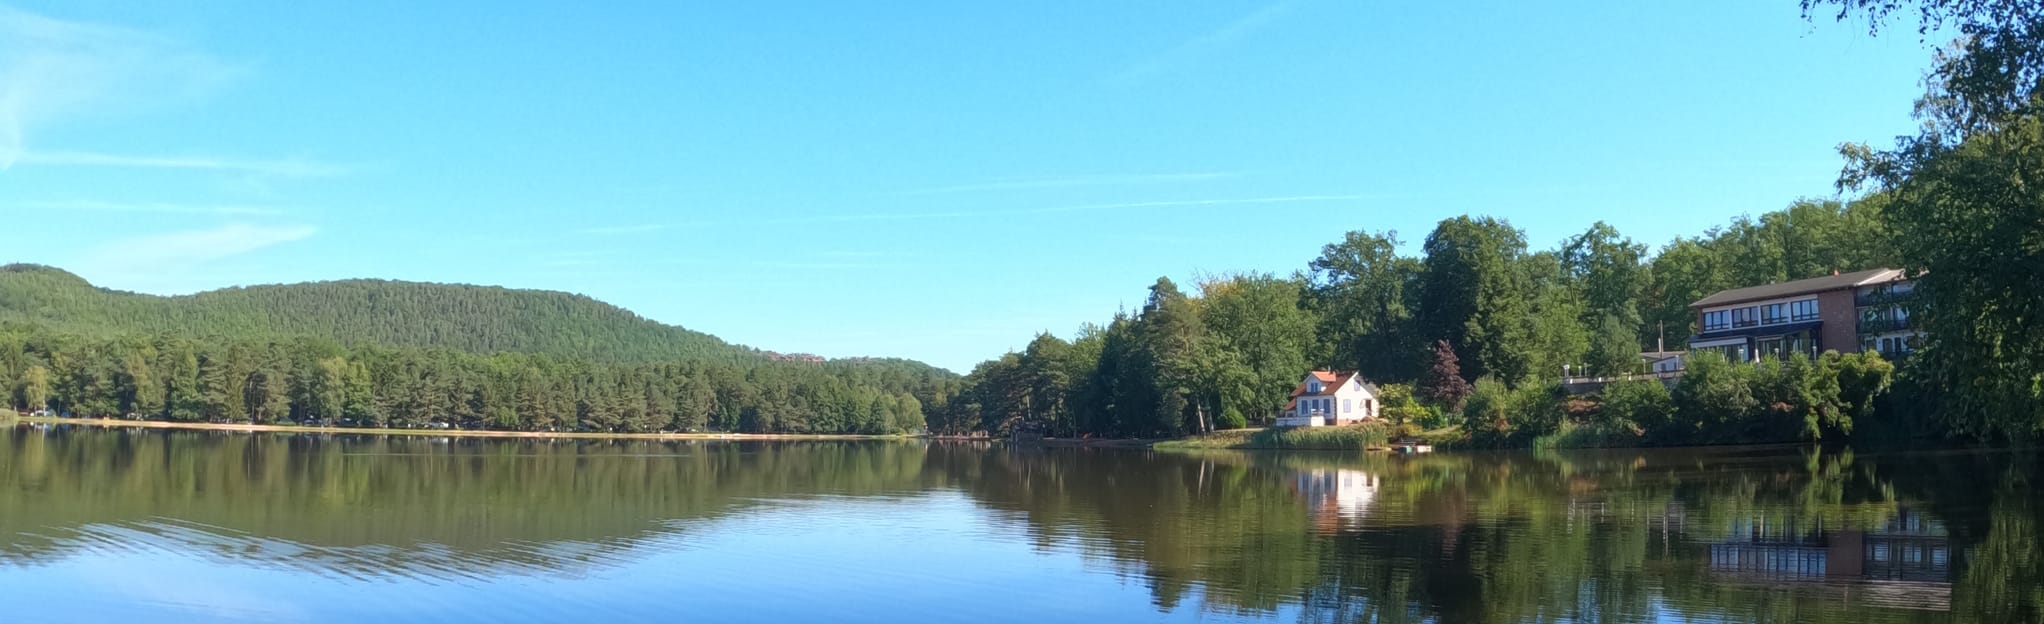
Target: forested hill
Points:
x,y
477,319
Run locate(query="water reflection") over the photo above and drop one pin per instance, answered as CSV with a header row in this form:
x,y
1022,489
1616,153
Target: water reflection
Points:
x,y
1727,535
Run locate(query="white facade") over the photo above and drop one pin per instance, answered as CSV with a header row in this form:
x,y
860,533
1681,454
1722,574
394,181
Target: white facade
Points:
x,y
1338,496
1327,398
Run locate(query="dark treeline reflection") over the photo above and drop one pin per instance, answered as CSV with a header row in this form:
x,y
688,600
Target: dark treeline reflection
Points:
x,y
1811,535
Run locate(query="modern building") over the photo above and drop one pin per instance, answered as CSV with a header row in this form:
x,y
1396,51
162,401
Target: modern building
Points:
x,y
1846,312
1331,398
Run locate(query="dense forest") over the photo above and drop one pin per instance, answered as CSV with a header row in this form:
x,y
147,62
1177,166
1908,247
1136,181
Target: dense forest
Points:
x,y
1477,328
408,355
476,319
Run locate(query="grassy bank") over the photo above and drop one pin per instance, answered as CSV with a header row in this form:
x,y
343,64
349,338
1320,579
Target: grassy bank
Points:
x,y
459,433
1343,438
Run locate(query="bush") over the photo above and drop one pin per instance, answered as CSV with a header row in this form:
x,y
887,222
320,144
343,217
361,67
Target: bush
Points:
x,y
1401,407
1231,418
1496,416
1713,399
1797,398
1633,406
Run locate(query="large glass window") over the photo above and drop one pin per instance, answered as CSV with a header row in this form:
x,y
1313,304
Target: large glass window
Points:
x,y
1805,310
1717,320
1774,313
1745,317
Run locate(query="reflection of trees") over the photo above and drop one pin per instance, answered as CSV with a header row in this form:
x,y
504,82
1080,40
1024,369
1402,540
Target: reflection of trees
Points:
x,y
369,504
1603,536
1615,536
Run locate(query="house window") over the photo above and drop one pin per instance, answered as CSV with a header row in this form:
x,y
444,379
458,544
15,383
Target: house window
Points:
x,y
1774,313
1347,405
1368,406
1805,310
1717,320
1745,317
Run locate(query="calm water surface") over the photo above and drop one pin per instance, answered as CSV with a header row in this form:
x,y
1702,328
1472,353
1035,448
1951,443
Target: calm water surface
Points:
x,y
157,526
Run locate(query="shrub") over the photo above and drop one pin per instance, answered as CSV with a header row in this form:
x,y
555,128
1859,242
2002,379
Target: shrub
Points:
x,y
1713,398
1231,418
1633,406
1497,416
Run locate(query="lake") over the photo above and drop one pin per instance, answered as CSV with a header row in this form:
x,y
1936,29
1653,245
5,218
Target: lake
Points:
x,y
167,526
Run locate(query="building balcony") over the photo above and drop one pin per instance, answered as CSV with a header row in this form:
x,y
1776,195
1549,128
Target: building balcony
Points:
x,y
1883,325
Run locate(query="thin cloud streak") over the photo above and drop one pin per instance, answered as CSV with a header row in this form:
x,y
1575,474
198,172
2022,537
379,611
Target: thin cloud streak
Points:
x,y
1074,181
1203,44
282,168
173,252
625,229
154,207
961,214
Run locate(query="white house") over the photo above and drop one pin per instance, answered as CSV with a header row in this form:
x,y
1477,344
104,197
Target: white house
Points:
x,y
1331,398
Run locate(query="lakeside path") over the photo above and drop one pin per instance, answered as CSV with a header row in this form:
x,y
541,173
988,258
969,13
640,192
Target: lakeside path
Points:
x,y
466,433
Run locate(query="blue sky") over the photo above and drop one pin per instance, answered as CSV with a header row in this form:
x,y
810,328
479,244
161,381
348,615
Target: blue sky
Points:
x,y
934,180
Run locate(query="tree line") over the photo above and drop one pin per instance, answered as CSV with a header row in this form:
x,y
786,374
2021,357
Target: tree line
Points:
x,y
1477,303
316,381
1960,206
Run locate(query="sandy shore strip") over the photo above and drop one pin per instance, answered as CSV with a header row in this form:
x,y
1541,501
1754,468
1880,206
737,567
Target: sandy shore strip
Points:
x,y
465,433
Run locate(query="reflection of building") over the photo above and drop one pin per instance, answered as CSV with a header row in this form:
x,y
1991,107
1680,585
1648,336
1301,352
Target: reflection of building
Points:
x,y
1906,563
1336,496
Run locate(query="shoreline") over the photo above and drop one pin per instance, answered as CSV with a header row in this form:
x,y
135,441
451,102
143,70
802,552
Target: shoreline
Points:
x,y
465,433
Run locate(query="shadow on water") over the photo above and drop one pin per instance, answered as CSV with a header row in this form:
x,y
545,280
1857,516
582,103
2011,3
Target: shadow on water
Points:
x,y
1810,535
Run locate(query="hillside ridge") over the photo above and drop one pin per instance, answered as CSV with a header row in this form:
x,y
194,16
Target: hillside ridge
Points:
x,y
366,311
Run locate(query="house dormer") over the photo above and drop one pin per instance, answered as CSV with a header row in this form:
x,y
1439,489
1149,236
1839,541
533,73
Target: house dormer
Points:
x,y
1313,386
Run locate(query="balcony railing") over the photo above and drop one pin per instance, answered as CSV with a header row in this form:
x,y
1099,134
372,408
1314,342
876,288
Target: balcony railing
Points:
x,y
1881,325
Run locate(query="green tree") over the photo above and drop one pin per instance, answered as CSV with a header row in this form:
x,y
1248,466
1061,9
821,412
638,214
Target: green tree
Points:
x,y
328,390
1613,350
1556,338
183,400
1967,211
1362,290
1608,270
1474,294
35,387
1174,337
1261,338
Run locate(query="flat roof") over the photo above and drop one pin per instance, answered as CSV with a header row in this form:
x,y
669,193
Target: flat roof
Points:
x,y
1799,287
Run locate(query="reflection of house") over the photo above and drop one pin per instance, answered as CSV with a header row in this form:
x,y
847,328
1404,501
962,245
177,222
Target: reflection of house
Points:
x,y
1846,313
1906,563
1330,398
1336,496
